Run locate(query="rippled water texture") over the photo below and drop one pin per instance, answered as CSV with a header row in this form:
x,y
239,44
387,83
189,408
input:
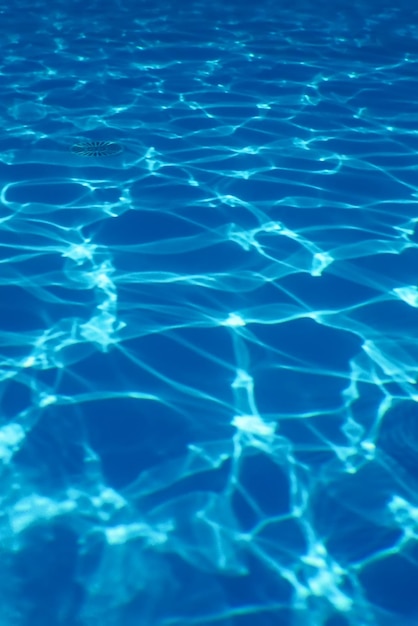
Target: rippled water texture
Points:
x,y
208,314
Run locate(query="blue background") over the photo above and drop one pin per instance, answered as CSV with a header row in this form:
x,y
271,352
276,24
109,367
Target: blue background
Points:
x,y
208,341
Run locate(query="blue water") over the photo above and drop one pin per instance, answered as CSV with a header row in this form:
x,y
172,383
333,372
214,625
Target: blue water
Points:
x,y
208,313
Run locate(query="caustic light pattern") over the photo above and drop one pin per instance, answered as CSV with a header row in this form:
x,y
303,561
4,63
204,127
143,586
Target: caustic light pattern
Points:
x,y
208,345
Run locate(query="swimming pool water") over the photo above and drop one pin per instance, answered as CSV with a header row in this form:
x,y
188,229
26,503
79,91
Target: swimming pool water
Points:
x,y
208,314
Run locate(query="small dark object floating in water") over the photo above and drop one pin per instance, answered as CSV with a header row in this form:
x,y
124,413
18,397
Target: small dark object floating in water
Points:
x,y
96,148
